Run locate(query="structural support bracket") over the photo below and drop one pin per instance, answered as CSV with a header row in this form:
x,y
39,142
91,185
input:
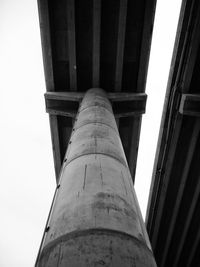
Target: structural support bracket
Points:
x,y
67,103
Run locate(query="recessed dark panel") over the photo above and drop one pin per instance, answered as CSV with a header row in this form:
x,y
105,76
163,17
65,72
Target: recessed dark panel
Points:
x,y
58,18
129,79
65,128
61,45
59,39
194,88
83,25
108,45
125,133
61,72
135,16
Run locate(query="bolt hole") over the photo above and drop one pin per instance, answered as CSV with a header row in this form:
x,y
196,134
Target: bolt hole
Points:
x,y
47,229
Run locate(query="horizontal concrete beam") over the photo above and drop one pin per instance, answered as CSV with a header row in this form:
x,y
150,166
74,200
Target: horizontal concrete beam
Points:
x,y
190,105
67,103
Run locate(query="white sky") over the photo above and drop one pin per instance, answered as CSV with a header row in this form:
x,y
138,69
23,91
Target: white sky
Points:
x,y
27,170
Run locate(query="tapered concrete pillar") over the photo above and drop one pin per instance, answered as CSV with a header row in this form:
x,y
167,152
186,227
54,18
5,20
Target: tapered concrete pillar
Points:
x,y
95,219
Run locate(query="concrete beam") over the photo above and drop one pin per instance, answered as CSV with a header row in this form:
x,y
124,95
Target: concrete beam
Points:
x,y
190,105
66,103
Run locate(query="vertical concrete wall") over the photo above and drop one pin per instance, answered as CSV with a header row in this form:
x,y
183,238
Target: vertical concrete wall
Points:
x,y
95,220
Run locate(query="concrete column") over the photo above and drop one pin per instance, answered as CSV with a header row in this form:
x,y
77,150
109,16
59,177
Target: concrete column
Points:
x,y
95,219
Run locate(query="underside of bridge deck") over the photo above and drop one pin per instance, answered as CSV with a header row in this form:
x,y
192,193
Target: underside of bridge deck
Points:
x,y
96,43
173,213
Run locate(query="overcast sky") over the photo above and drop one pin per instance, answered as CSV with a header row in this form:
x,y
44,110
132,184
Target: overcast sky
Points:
x,y
27,170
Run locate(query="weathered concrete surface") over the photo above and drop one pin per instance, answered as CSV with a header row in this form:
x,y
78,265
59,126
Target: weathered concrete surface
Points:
x,y
97,247
95,219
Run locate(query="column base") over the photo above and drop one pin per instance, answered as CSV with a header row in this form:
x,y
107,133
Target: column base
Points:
x,y
96,247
